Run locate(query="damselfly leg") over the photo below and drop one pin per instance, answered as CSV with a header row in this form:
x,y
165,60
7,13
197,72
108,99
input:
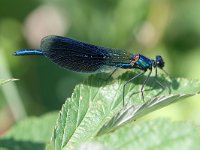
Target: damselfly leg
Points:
x,y
145,81
159,83
138,75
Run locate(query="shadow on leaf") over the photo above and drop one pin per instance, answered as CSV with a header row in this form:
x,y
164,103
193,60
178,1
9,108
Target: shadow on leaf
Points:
x,y
169,84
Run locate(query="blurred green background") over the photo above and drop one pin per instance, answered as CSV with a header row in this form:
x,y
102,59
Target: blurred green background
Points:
x,y
170,28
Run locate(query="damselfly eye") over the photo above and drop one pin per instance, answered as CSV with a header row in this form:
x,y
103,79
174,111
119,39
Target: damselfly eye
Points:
x,y
159,62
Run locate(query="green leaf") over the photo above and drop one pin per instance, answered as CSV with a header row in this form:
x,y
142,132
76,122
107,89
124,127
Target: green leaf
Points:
x,y
154,134
95,107
32,133
3,81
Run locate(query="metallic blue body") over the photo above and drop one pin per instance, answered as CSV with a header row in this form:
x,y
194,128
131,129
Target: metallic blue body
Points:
x,y
29,52
144,63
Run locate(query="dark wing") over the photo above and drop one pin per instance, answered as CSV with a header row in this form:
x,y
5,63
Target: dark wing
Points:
x,y
82,57
74,55
118,57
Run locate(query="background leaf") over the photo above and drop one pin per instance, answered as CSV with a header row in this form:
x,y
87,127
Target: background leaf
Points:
x,y
95,107
154,134
32,133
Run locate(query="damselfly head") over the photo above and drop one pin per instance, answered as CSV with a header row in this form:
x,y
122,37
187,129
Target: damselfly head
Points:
x,y
159,62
